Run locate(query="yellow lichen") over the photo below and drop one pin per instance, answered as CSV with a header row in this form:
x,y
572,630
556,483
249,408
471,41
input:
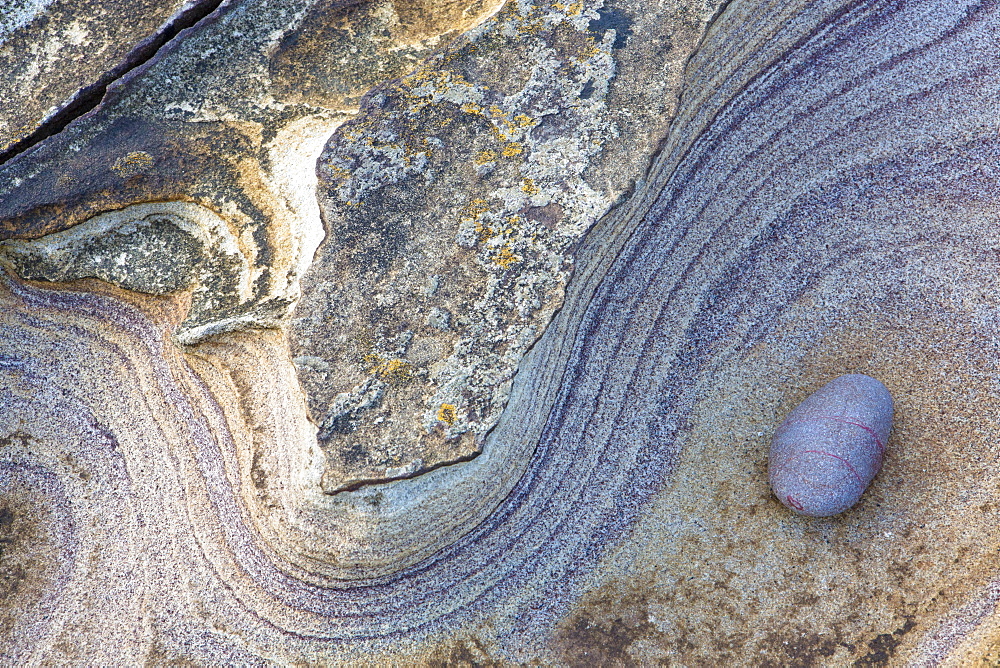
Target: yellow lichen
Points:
x,y
447,414
486,156
524,120
505,258
440,79
473,210
511,149
22,132
528,187
338,172
393,370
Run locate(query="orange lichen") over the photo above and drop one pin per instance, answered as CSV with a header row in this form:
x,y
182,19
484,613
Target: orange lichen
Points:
x,y
505,258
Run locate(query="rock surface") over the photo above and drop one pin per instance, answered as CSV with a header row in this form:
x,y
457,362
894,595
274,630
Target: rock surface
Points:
x,y
57,55
779,194
454,205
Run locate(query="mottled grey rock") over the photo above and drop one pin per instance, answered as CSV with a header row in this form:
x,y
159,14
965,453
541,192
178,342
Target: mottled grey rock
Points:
x,y
56,54
478,174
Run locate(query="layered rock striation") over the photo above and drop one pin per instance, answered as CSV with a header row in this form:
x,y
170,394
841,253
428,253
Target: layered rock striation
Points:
x,y
223,441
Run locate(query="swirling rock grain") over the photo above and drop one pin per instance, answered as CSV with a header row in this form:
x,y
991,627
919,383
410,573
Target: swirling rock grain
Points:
x,y
824,201
820,212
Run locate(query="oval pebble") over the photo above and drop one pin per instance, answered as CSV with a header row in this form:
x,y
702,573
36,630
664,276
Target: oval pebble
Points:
x,y
827,451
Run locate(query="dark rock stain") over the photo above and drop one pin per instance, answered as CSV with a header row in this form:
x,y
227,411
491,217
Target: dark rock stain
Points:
x,y
353,454
609,625
799,648
610,18
884,645
20,437
26,560
466,654
549,215
6,519
601,634
257,474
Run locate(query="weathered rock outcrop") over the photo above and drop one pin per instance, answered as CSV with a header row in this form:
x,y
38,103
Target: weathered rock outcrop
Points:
x,y
451,333
59,56
454,204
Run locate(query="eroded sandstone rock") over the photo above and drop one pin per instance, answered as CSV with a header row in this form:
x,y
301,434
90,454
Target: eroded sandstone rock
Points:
x,y
824,202
454,206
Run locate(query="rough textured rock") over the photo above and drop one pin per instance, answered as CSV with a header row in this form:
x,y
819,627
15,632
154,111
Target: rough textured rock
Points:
x,y
454,205
57,54
823,202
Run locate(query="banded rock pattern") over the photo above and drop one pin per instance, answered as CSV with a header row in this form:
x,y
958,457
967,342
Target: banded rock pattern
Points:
x,y
823,203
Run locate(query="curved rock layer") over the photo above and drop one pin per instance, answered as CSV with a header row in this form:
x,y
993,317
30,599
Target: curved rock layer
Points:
x,y
825,203
828,207
170,509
